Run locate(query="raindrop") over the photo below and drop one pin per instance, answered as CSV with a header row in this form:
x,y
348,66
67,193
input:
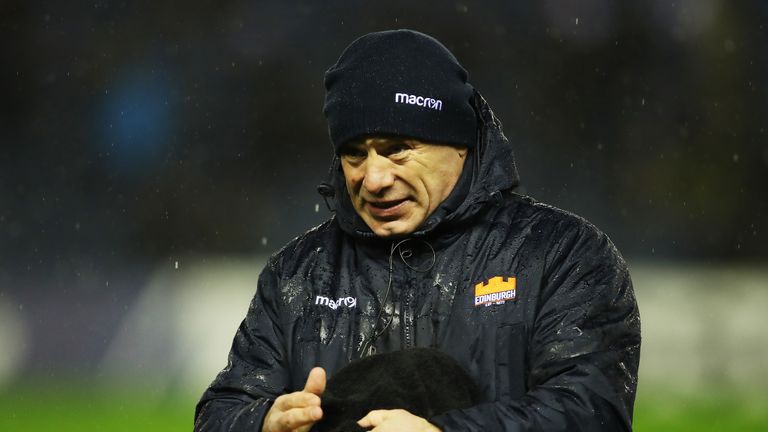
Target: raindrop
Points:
x,y
317,208
729,45
263,241
175,265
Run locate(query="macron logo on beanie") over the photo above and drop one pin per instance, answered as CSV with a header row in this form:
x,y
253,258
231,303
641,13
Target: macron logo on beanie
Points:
x,y
421,101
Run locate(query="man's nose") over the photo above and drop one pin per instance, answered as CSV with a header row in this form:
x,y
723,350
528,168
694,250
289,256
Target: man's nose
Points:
x,y
378,174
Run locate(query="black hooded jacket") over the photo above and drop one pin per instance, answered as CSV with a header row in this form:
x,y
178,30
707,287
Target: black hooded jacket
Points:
x,y
534,302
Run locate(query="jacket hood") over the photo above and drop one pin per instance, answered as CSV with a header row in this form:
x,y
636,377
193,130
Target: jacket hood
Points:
x,y
493,171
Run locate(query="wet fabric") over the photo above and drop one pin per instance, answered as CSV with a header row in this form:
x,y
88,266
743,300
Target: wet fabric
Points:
x,y
422,381
535,303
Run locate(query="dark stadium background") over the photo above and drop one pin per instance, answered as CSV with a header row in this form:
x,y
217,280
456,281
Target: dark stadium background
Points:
x,y
137,136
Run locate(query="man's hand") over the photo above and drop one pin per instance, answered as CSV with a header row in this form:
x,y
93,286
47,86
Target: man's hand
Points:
x,y
395,421
297,411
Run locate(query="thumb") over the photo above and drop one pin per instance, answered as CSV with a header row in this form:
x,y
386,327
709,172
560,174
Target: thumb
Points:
x,y
316,381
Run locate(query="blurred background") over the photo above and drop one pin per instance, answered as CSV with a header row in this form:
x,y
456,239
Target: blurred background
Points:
x,y
153,154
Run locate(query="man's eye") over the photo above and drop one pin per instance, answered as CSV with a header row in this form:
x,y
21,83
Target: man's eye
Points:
x,y
397,150
353,153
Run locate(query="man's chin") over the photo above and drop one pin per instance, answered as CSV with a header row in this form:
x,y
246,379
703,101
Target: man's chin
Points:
x,y
391,229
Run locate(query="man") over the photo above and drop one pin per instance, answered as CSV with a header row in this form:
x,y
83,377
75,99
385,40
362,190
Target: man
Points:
x,y
430,247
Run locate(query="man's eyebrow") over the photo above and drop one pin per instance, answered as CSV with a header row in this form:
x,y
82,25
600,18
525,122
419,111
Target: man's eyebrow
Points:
x,y
391,141
355,142
352,146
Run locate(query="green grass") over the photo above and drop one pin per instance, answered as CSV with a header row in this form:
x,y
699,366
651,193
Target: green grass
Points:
x,y
91,409
88,408
718,411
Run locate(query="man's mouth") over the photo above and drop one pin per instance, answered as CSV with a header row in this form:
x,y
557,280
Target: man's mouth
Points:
x,y
386,209
385,204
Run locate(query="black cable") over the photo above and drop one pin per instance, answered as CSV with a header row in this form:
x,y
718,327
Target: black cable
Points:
x,y
369,348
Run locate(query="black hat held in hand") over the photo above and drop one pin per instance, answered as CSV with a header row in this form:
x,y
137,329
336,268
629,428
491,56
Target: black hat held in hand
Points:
x,y
422,381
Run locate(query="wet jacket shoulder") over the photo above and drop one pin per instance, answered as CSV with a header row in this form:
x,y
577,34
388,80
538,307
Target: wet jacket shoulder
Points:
x,y
576,334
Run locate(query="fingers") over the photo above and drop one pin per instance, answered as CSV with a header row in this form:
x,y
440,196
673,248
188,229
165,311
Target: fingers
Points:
x,y
294,411
373,419
300,399
295,418
395,420
292,419
315,381
297,411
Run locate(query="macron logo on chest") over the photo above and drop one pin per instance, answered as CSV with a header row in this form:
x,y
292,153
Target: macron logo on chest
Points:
x,y
421,101
349,302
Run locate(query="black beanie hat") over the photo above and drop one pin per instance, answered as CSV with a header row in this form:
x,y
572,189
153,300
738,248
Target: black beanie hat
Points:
x,y
403,83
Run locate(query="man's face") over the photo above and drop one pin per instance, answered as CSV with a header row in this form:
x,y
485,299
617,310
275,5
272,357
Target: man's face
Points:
x,y
396,183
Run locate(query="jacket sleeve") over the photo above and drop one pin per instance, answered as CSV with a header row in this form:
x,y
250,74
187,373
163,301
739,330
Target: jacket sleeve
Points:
x,y
584,347
256,372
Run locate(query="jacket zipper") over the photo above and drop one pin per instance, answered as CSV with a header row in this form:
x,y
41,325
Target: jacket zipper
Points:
x,y
407,321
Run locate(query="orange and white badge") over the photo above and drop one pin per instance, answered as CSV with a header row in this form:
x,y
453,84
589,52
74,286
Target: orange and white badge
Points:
x,y
495,290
